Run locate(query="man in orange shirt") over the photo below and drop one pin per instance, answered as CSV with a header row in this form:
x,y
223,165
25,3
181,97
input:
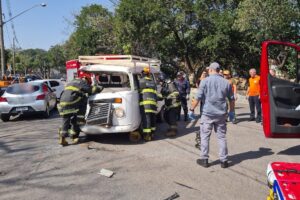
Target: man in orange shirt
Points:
x,y
253,95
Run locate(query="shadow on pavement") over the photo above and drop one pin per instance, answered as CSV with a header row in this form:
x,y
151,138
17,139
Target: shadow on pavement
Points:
x,y
243,114
123,138
34,116
239,120
292,151
249,155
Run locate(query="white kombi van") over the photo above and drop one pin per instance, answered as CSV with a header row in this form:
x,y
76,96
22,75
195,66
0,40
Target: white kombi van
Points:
x,y
116,108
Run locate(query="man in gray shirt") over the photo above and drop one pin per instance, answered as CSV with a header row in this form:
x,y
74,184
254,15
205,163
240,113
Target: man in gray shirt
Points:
x,y
213,92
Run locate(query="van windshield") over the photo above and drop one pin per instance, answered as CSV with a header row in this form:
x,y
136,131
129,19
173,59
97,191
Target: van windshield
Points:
x,y
114,80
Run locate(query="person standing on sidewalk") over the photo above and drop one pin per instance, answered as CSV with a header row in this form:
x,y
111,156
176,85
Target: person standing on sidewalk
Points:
x,y
232,82
213,91
253,96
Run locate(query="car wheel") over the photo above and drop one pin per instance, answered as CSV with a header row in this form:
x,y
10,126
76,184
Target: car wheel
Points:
x,y
46,113
5,117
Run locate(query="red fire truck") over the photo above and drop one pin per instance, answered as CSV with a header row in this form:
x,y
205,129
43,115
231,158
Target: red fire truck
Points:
x,y
280,98
73,70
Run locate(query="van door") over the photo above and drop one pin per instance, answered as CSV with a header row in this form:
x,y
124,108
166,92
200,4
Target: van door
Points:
x,y
280,89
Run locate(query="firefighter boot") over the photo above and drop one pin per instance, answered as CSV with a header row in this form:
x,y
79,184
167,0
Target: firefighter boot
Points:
x,y
62,140
74,136
147,137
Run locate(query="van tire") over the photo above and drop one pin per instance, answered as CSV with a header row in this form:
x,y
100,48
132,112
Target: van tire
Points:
x,y
5,117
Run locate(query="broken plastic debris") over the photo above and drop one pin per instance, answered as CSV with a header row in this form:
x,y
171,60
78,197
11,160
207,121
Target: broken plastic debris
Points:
x,y
174,196
106,172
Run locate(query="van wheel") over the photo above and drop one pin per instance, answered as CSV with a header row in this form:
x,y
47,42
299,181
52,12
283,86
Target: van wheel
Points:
x,y
135,136
5,117
46,113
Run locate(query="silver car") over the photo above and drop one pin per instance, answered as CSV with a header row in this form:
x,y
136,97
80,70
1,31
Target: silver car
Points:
x,y
26,98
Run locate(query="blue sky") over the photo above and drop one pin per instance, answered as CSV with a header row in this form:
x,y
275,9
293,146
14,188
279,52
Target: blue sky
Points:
x,y
43,27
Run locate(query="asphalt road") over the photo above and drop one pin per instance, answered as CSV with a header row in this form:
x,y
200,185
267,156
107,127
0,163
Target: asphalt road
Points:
x,y
34,166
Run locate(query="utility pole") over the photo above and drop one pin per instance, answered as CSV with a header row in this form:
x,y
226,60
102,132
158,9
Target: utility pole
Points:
x,y
14,57
2,42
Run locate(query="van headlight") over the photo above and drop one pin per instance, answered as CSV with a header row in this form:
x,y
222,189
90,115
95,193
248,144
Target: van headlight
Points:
x,y
119,112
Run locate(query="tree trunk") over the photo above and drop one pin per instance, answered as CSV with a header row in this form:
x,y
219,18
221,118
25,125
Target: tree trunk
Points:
x,y
187,63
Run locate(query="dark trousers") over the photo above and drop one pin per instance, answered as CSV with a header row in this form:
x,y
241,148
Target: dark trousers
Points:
x,y
148,123
170,117
254,102
184,106
70,121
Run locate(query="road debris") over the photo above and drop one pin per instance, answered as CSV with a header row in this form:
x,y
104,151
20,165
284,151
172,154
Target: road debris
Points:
x,y
106,172
174,196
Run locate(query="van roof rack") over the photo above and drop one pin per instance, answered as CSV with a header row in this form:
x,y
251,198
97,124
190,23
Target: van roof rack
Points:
x,y
122,60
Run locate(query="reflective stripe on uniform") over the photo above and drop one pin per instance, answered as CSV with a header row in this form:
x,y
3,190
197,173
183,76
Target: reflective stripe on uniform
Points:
x,y
72,132
147,130
72,88
63,103
173,95
81,116
148,102
94,89
150,111
68,111
149,90
175,105
153,128
173,126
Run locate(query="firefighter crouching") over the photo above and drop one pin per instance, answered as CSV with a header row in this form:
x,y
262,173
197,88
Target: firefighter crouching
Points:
x,y
72,106
172,104
148,104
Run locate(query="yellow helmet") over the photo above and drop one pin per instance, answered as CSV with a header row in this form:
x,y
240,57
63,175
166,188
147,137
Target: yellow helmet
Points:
x,y
146,70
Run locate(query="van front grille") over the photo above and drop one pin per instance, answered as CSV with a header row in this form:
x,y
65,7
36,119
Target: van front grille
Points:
x,y
99,114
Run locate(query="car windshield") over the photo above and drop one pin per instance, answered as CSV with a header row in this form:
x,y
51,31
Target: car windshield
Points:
x,y
22,89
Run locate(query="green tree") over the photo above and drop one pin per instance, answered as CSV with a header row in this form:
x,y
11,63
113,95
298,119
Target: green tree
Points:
x,y
93,32
160,28
260,20
56,58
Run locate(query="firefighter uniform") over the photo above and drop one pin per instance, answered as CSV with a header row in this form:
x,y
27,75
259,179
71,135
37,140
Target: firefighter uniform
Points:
x,y
148,105
172,104
72,106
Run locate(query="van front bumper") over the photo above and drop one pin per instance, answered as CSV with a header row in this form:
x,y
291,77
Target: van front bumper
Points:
x,y
98,130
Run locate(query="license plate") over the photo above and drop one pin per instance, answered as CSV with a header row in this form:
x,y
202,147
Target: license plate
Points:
x,y
21,108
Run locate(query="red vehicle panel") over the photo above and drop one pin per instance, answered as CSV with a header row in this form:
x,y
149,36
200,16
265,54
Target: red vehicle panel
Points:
x,y
279,98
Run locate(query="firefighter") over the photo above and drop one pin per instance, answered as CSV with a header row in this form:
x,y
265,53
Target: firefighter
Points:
x,y
172,103
183,87
148,104
72,104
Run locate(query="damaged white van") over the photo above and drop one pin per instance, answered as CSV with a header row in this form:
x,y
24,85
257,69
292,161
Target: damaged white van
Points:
x,y
116,108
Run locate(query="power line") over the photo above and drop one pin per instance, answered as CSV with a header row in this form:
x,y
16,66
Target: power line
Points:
x,y
7,32
12,24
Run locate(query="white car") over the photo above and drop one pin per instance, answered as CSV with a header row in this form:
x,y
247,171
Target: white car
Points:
x,y
56,85
25,98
